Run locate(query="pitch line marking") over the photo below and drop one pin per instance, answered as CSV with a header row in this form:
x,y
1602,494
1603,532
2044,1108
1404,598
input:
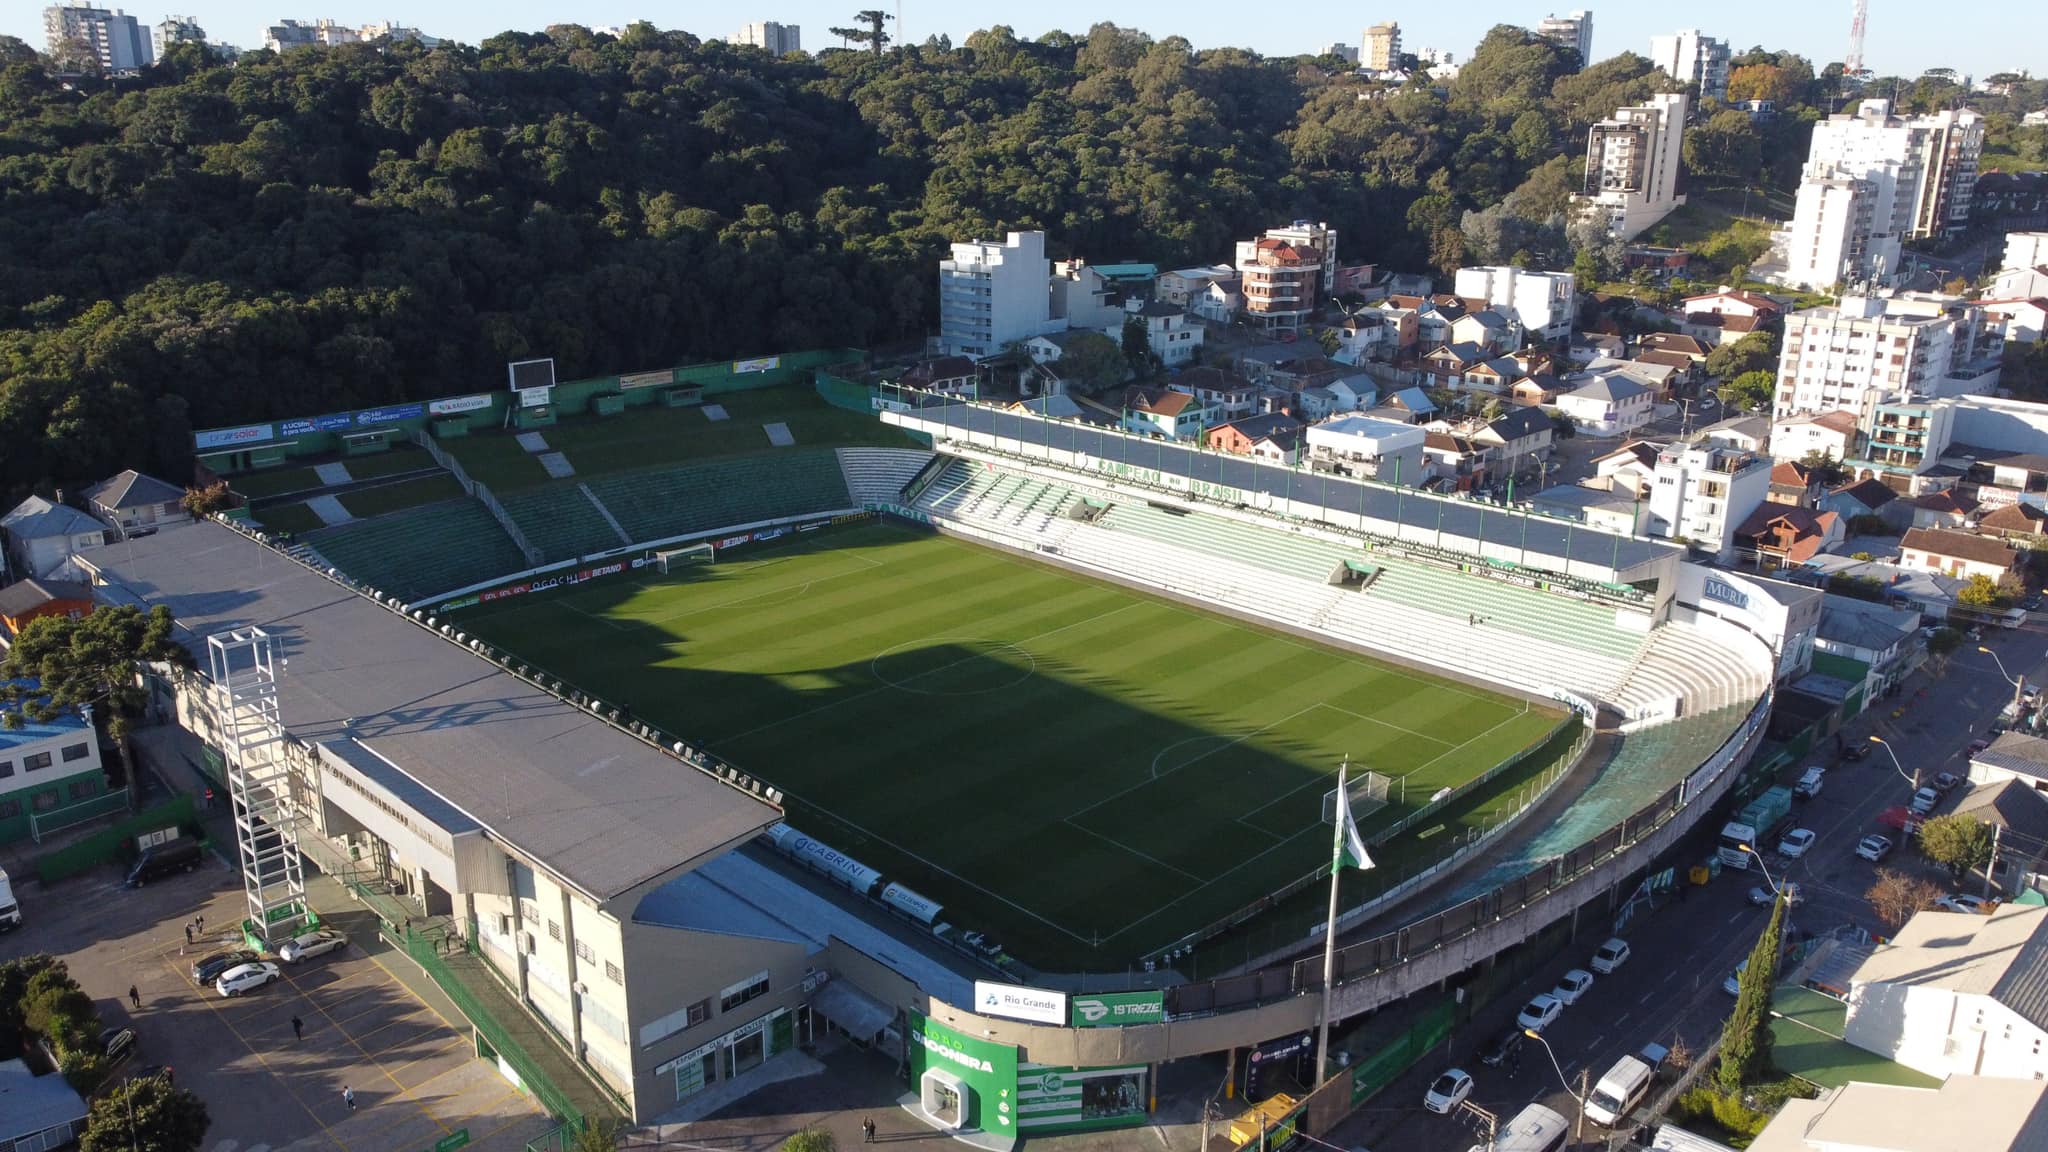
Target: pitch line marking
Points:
x,y
1390,724
1156,775
1110,840
1246,862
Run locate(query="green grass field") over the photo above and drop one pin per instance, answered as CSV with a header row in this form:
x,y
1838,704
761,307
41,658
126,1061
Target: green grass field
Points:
x,y
1088,772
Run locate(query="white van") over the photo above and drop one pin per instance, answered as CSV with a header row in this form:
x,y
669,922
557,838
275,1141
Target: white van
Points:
x,y
1618,1092
1810,784
1534,1129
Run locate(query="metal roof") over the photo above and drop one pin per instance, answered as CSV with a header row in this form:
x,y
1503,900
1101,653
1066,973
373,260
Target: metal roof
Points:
x,y
1395,507
36,518
587,801
2003,956
32,1104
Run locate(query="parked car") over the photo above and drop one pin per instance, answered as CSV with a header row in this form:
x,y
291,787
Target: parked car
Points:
x,y
1977,746
1764,897
1540,1011
1503,1048
1855,753
208,969
161,860
1924,801
1795,843
1573,985
1610,956
318,942
1964,902
1810,783
1449,1091
1874,847
1733,984
1945,783
244,977
117,1044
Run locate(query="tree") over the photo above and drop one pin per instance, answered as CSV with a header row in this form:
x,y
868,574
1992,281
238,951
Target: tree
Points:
x,y
204,502
1137,344
1092,361
1896,896
1763,82
1958,842
602,1135
1746,1040
1755,352
1979,591
1725,146
873,36
1944,642
146,1115
1751,390
87,661
809,1140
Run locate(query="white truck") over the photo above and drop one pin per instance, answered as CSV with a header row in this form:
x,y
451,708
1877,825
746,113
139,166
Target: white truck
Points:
x,y
10,910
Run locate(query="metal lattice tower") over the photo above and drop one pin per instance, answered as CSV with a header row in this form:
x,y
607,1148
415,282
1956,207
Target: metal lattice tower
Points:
x,y
1853,63
245,706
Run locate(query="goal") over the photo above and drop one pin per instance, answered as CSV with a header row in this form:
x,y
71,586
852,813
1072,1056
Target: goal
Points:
x,y
679,557
1368,795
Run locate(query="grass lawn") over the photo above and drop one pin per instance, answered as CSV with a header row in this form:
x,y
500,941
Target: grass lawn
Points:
x,y
302,478
1806,1041
645,437
274,482
288,518
1087,771
399,458
403,494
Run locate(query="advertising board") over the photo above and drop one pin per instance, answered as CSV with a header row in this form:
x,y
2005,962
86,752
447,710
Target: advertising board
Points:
x,y
759,364
333,423
985,1067
536,397
661,379
1114,1009
546,583
1080,1098
229,437
1038,1005
455,405
391,415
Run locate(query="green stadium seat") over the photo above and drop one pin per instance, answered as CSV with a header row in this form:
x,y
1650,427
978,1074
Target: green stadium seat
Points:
x,y
422,551
560,520
678,500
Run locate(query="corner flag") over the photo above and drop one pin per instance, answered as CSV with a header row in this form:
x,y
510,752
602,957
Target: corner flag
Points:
x,y
1350,845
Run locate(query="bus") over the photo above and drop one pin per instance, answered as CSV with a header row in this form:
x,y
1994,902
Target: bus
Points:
x,y
1534,1129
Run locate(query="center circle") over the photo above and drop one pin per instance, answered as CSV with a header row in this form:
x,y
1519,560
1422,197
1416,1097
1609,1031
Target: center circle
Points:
x,y
953,666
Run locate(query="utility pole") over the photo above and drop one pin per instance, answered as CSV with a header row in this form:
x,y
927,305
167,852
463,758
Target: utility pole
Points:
x,y
1992,865
1579,1127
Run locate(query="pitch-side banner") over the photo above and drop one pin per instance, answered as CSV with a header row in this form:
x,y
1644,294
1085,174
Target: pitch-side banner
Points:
x,y
1038,1005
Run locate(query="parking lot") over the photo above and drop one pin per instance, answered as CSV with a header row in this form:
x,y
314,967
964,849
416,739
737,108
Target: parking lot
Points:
x,y
415,1075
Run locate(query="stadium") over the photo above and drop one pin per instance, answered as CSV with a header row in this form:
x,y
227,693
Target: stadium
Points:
x,y
884,692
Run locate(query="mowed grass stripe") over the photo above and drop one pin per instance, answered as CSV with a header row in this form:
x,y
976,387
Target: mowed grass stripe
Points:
x,y
1022,743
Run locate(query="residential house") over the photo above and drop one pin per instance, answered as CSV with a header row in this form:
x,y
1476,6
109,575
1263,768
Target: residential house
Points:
x,y
1367,335
1354,393
1959,554
1458,462
1183,285
1542,304
2021,321
2014,522
1684,369
1520,437
2021,816
1083,298
1493,332
1945,508
1788,533
1053,407
45,766
1676,342
1497,375
1587,347
1273,436
1658,378
1361,446
2019,477
1409,405
1536,390
24,600
1314,403
1231,395
1165,413
1604,507
1821,435
1871,645
1957,994
1869,498
1219,300
1287,272
1607,406
1448,366
1733,302
40,536
2012,756
1980,1113
951,375
133,502
1794,484
1168,332
1633,465
42,1111
1743,433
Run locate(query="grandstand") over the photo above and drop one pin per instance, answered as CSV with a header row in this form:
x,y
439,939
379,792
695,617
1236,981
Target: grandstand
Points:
x,y
564,521
422,551
879,475
664,503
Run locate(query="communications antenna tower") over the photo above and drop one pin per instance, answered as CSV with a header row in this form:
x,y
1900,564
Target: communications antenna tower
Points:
x,y
1854,63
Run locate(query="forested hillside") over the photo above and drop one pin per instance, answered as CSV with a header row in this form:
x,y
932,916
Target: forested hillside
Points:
x,y
338,228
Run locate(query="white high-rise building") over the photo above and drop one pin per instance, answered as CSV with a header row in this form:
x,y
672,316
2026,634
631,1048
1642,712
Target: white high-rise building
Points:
x,y
1692,58
1867,350
1632,164
324,33
778,39
1702,492
1574,32
1872,181
1544,303
994,294
175,30
117,39
1381,48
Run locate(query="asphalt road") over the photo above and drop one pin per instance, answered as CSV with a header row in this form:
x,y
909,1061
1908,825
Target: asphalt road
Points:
x,y
1670,989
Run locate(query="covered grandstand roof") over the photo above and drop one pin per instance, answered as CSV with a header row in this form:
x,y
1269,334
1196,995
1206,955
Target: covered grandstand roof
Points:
x,y
1453,519
581,798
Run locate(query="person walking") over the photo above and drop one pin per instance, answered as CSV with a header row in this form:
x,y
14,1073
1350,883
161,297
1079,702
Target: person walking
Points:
x,y
867,1130
298,1028
188,935
348,1096
134,997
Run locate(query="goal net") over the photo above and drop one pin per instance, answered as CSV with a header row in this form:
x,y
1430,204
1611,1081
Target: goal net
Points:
x,y
679,557
1368,795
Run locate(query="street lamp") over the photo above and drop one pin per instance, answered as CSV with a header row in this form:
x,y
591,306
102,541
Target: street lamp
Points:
x,y
1775,890
1579,1098
2019,683
1913,779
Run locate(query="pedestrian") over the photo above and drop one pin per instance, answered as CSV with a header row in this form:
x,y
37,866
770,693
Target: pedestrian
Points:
x,y
298,1028
408,926
134,997
188,935
201,921
348,1097
867,1130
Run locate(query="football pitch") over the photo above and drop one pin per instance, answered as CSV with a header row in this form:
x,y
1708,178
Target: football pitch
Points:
x,y
1087,772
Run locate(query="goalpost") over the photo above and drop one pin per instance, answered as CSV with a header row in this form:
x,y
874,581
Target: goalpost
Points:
x,y
689,554
1368,795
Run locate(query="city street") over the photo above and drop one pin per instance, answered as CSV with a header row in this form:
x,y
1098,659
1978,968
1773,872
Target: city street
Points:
x,y
1670,989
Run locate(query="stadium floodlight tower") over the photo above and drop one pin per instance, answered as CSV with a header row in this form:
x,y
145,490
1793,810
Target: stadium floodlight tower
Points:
x,y
244,665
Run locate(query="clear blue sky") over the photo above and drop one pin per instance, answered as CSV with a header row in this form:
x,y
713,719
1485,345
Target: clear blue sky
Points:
x,y
1905,37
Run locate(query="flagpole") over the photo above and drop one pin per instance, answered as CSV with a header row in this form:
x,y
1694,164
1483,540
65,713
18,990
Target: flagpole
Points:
x,y
1330,929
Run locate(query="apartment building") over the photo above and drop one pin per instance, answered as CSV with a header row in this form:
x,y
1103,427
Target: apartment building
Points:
x,y
117,40
1865,349
993,294
1286,272
1381,49
324,33
1691,57
1574,32
1907,437
1873,180
1633,160
778,39
1543,303
1702,492
45,767
175,30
